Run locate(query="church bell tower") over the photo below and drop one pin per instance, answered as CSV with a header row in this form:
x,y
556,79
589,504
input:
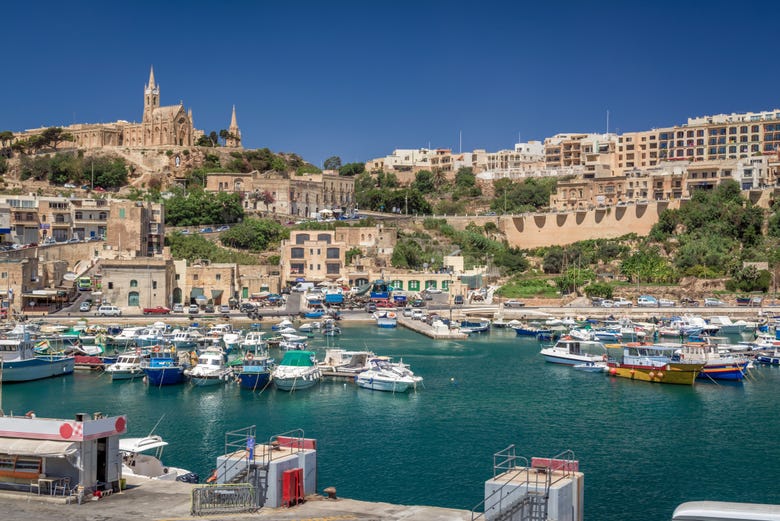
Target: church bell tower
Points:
x,y
151,97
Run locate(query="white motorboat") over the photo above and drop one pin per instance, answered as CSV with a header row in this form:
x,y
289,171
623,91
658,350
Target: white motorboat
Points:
x,y
572,351
253,341
210,369
383,375
726,325
297,370
343,361
592,367
127,367
136,463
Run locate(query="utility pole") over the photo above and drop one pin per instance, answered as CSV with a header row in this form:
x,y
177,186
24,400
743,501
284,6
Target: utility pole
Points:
x,y
92,185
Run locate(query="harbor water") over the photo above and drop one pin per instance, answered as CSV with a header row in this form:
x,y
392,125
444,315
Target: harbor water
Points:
x,y
644,448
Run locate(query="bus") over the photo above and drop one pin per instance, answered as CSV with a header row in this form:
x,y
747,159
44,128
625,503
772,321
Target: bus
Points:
x,y
84,283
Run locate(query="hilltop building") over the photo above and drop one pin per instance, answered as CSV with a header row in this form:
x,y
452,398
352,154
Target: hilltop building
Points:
x,y
160,126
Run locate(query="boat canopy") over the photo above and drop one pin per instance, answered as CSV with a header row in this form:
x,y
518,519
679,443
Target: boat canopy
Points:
x,y
298,358
141,444
42,448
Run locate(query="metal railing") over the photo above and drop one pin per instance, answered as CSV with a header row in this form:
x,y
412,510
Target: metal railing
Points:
x,y
505,462
235,466
228,498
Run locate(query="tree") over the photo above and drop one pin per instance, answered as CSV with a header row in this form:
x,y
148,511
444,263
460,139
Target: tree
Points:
x,y
352,169
465,178
254,234
423,182
6,137
224,134
267,198
332,163
53,136
407,254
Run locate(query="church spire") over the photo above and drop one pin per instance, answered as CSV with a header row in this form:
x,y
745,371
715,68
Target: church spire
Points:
x,y
234,133
151,77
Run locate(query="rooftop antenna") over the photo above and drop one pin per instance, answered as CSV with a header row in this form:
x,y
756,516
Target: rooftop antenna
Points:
x,y
607,121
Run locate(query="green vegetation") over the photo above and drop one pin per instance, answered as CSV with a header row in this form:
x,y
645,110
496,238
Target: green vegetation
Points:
x,y
255,234
67,167
196,247
522,196
528,287
197,207
351,254
332,163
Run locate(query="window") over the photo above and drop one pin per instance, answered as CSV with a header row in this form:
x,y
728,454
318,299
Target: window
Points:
x,y
301,238
110,285
218,276
332,253
195,277
296,253
121,213
154,283
414,285
133,283
79,215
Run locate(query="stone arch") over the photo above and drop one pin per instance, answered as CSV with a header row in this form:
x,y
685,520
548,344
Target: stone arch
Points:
x,y
560,219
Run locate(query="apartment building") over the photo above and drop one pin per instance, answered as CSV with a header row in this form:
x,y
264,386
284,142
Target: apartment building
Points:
x,y
402,160
568,150
134,228
312,256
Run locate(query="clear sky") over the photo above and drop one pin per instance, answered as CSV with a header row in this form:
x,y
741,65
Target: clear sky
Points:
x,y
358,79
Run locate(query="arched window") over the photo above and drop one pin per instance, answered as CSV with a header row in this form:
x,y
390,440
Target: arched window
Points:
x,y
133,283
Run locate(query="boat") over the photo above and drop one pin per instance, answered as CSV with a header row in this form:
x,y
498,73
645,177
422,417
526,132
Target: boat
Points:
x,y
255,372
187,339
210,369
476,326
651,363
163,367
716,365
346,362
19,363
309,326
386,319
253,341
572,351
383,375
528,329
297,370
768,358
282,325
292,342
127,367
136,463
727,327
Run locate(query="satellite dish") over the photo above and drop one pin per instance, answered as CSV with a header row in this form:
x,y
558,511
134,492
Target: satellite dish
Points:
x,y
69,276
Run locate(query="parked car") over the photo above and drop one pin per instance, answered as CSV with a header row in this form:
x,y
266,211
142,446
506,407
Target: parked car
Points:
x,y
607,303
407,312
417,314
85,306
458,300
246,307
418,303
178,308
224,308
647,301
514,303
207,229
107,310
223,228
689,302
185,231
713,303
193,309
208,308
666,303
621,302
49,240
370,307
156,310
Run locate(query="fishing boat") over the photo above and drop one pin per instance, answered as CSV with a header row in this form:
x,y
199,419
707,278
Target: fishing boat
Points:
x,y
127,367
282,325
255,372
309,326
19,363
210,369
297,370
726,325
528,329
651,363
163,367
716,365
768,358
572,351
292,342
383,375
187,339
253,341
151,336
386,319
136,463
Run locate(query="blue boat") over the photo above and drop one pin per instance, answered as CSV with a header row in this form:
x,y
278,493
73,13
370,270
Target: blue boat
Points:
x,y
20,364
313,314
164,368
255,373
526,330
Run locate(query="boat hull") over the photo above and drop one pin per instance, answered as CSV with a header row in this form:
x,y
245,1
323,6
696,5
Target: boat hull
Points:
x,y
376,384
732,372
569,359
207,381
164,375
386,323
671,373
37,368
294,384
254,381
128,374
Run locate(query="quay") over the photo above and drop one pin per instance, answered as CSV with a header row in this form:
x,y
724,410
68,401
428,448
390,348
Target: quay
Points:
x,y
444,333
150,500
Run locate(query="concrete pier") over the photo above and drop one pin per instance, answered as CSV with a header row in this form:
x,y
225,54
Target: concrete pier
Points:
x,y
147,500
421,327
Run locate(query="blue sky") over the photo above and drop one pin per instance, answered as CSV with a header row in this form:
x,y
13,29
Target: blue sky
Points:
x,y
359,79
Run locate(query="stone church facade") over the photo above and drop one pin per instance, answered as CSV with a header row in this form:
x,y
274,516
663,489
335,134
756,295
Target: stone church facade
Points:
x,y
160,126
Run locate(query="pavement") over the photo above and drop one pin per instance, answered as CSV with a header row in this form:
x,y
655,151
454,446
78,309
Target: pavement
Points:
x,y
152,500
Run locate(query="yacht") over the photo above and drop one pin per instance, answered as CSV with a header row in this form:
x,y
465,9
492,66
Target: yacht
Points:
x,y
383,375
136,463
573,351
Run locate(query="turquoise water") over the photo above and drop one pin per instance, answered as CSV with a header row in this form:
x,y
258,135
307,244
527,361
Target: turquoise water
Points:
x,y
644,448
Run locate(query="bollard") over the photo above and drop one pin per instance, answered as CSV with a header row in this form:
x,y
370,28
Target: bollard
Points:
x,y
331,492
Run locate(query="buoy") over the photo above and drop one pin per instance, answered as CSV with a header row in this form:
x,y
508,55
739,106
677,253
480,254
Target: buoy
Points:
x,y
660,375
613,371
651,374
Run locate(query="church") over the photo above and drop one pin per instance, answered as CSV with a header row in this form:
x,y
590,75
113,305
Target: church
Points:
x,y
160,126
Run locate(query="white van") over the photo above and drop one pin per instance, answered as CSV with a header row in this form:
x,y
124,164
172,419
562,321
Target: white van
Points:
x,y
303,286
109,311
